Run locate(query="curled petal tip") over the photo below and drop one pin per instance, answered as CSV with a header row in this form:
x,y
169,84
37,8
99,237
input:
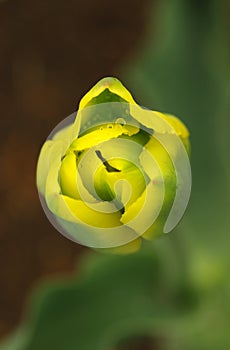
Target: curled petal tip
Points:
x,y
112,88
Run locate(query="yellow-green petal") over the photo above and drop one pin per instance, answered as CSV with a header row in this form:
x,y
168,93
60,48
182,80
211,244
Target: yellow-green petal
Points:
x,y
143,212
68,176
126,184
103,133
160,155
76,210
88,215
43,166
177,124
49,152
180,128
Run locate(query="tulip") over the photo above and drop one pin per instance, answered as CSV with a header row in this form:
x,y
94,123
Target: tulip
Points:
x,y
116,173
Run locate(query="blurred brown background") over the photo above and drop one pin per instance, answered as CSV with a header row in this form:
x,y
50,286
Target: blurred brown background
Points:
x,y
52,52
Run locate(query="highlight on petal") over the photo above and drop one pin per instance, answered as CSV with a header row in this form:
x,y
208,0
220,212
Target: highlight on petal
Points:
x,y
68,176
101,134
115,173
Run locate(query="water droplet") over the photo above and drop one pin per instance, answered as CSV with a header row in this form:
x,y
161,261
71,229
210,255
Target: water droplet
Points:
x,y
121,121
109,126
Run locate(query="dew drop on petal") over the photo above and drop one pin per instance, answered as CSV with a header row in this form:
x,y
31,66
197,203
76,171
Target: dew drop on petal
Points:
x,y
121,121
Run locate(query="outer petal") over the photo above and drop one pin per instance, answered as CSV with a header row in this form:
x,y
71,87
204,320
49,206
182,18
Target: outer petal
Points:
x,y
158,122
49,151
165,164
180,129
65,134
161,123
169,139
52,149
177,124
142,213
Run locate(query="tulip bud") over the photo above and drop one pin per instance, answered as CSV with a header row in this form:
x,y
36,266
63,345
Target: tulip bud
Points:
x,y
116,172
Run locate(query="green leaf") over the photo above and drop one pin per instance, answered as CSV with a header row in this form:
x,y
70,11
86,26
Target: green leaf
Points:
x,y
114,297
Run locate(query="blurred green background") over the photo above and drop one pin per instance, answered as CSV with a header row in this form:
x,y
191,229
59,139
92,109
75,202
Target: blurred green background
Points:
x,y
175,293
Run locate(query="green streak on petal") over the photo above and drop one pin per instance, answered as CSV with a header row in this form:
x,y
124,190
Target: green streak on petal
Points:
x,y
109,167
102,186
142,137
108,186
105,97
113,86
